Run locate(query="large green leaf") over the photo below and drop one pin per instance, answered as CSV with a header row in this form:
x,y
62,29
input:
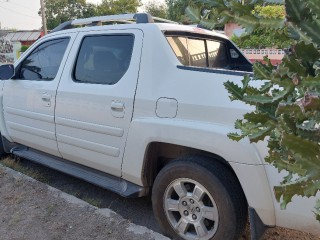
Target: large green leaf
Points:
x,y
212,3
264,99
257,117
261,71
294,67
306,52
290,109
194,14
236,92
317,210
250,23
309,150
258,99
207,24
295,10
296,33
238,7
309,28
272,23
314,6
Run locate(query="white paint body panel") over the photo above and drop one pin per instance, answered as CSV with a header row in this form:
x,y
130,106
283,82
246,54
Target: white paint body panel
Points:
x,y
29,119
195,111
298,213
88,132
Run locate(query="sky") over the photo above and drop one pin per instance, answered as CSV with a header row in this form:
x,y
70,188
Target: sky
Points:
x,y
23,14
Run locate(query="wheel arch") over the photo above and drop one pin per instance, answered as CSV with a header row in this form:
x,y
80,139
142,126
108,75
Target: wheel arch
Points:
x,y
158,154
152,142
252,178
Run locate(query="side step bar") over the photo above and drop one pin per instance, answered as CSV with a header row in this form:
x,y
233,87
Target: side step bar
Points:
x,y
104,180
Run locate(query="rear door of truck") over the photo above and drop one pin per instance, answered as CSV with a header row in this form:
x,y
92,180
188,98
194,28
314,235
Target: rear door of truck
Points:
x,y
95,98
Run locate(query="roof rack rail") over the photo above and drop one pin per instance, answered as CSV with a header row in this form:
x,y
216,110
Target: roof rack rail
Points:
x,y
123,18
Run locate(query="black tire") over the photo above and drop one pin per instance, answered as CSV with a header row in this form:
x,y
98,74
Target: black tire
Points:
x,y
2,151
220,184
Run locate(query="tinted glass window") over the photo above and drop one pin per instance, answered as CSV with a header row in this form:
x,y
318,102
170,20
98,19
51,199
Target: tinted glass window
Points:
x,y
44,61
197,51
103,59
180,48
217,55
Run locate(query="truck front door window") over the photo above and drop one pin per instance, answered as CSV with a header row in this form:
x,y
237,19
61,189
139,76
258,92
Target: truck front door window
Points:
x,y
43,63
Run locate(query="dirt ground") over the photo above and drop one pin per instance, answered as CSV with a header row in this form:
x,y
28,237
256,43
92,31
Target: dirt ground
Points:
x,y
33,210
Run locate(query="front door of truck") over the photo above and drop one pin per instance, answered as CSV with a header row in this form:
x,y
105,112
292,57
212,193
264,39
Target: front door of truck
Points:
x,y
95,98
29,97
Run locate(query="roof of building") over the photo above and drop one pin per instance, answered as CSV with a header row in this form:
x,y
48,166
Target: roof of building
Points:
x,y
3,32
23,36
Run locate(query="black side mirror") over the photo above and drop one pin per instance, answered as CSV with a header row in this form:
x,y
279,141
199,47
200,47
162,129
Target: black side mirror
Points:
x,y
6,71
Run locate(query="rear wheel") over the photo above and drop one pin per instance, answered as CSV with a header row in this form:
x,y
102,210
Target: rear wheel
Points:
x,y
193,199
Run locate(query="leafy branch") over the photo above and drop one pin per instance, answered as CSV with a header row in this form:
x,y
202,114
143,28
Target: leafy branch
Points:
x,y
287,104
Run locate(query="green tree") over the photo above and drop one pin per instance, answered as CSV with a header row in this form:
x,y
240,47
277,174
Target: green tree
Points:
x,y
264,38
59,11
177,8
156,9
287,104
110,7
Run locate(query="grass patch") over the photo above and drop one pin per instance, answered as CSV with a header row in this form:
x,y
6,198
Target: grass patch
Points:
x,y
95,202
45,177
16,165
79,194
2,172
49,211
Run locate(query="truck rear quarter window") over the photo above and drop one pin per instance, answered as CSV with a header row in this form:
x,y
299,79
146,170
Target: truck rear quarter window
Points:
x,y
197,52
217,55
205,52
103,59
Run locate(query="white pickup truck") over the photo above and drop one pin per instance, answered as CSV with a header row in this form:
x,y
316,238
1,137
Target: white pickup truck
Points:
x,y
139,107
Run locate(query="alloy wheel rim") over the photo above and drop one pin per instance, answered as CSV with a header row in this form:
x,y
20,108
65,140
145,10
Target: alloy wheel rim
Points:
x,y
191,210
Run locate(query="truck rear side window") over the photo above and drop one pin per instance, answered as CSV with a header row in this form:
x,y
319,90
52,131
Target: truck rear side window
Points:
x,y
199,52
103,59
180,48
217,55
207,52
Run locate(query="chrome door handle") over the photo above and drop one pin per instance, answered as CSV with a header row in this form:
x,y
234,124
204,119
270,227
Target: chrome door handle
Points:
x,y
117,109
46,99
117,106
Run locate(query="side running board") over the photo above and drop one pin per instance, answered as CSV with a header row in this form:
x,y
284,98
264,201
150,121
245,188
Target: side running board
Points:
x,y
104,180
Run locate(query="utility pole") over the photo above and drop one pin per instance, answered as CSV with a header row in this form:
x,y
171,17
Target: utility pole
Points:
x,y
44,20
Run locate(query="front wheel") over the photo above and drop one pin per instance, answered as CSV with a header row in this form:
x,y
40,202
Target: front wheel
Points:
x,y
193,199
2,151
